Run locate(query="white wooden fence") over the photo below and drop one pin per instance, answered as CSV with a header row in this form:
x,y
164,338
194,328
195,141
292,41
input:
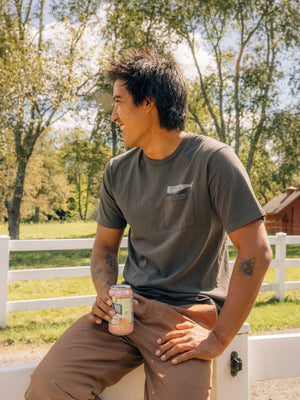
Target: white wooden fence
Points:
x,y
279,286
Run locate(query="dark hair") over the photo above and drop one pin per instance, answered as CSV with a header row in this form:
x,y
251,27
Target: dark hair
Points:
x,y
151,75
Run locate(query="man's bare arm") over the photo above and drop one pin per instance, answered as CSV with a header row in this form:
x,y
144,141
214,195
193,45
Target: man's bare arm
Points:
x,y
104,270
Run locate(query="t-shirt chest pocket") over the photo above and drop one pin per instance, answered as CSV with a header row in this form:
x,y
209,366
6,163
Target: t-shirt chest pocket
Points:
x,y
179,207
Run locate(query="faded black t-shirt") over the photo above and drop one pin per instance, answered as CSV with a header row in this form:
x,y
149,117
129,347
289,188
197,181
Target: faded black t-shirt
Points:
x,y
180,210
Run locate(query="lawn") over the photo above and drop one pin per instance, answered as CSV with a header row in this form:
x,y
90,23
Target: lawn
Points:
x,y
34,327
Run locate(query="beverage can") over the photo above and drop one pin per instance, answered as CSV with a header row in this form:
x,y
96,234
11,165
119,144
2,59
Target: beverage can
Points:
x,y
122,298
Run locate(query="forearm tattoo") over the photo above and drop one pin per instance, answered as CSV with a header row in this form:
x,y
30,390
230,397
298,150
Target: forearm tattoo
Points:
x,y
112,262
246,266
99,273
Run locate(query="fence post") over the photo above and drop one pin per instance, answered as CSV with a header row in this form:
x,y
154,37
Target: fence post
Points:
x,y
4,265
280,256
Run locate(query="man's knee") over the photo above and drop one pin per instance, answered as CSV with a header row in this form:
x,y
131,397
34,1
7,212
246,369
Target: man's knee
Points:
x,y
46,385
43,386
53,384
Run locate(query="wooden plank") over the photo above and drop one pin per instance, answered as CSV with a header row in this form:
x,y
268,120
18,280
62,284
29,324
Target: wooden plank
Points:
x,y
268,287
48,273
51,273
44,304
274,356
293,239
292,262
14,381
50,244
292,285
54,244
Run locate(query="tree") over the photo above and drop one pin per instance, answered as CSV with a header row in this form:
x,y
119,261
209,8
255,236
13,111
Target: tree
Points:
x,y
283,132
245,39
47,191
40,82
85,158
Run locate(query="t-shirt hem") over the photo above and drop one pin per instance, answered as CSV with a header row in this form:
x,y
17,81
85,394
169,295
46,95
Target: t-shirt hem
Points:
x,y
108,225
245,221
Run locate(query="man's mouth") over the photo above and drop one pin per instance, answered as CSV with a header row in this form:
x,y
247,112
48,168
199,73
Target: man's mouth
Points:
x,y
122,126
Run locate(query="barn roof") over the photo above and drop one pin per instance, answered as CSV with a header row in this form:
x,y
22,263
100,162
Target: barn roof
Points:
x,y
279,202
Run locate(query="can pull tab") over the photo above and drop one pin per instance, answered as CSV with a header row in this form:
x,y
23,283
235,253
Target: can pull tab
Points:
x,y
236,363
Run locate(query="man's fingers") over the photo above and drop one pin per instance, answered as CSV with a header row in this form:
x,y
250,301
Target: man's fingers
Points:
x,y
174,344
94,319
101,311
104,303
185,325
176,349
188,355
169,336
178,333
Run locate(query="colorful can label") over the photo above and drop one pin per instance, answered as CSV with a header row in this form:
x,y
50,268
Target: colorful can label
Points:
x,y
122,298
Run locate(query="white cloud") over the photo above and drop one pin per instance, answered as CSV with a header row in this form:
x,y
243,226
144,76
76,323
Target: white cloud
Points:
x,y
184,57
82,119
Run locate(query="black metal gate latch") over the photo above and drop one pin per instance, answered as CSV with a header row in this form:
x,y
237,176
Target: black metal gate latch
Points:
x,y
236,363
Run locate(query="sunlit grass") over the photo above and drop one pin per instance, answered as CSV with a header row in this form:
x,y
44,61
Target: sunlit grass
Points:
x,y
55,230
270,314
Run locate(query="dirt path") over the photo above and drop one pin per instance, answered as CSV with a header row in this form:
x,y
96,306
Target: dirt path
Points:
x,y
277,389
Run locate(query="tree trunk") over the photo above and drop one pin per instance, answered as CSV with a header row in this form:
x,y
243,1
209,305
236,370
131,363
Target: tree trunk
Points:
x,y
114,139
36,217
13,206
78,183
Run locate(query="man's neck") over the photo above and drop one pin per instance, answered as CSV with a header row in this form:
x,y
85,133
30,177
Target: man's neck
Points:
x,y
163,143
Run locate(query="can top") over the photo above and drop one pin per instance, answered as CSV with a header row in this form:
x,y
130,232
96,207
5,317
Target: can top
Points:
x,y
121,287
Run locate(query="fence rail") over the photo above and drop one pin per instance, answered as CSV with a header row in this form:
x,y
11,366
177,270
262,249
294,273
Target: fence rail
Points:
x,y
279,286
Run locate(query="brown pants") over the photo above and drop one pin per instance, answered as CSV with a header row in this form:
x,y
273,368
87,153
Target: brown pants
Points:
x,y
87,358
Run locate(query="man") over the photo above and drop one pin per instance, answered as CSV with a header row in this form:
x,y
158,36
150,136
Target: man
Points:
x,y
181,194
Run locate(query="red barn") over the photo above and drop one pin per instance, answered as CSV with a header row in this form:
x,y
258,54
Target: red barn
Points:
x,y
283,213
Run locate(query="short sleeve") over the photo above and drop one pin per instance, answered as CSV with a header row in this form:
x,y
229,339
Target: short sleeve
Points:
x,y
108,213
231,191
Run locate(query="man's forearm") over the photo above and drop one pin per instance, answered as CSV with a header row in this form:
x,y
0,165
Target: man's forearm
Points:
x,y
104,269
246,279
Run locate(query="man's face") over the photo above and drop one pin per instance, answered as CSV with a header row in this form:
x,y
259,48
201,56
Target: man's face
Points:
x,y
131,119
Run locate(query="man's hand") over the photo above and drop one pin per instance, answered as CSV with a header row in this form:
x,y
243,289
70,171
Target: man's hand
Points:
x,y
101,310
189,341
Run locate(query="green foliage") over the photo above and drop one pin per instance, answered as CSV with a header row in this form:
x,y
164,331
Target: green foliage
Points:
x,y
245,40
84,159
40,82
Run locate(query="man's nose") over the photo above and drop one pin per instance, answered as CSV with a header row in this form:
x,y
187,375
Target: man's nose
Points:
x,y
114,115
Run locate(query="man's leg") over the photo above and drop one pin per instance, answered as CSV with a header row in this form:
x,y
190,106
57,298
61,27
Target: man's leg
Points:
x,y
82,363
189,380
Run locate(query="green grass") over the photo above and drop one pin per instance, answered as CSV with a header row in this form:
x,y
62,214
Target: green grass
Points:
x,y
45,326
270,314
55,230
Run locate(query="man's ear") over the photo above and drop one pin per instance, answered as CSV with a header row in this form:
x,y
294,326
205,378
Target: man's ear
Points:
x,y
149,103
